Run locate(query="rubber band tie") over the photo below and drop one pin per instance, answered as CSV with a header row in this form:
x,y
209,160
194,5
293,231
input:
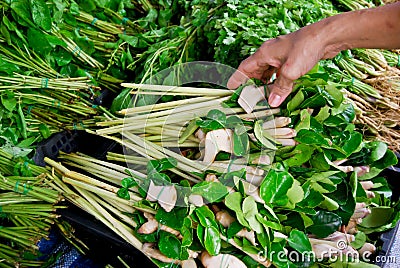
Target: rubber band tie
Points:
x,y
352,80
27,188
93,21
398,60
30,107
94,106
74,126
16,186
124,21
45,82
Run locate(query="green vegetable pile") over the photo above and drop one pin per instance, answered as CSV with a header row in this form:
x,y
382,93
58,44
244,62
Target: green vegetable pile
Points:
x,y
294,180
314,195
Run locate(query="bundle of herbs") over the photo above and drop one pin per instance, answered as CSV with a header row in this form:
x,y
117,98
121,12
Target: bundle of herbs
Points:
x,y
28,210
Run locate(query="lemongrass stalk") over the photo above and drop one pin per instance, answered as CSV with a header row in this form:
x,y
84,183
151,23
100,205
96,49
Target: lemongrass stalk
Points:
x,y
196,166
117,211
185,144
164,105
138,160
157,155
74,198
105,164
88,181
107,176
123,206
118,227
99,191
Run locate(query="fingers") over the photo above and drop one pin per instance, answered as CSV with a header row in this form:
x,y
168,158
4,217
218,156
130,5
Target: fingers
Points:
x,y
252,67
280,89
236,80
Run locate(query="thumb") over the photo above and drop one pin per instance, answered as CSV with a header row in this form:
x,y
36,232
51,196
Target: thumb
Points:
x,y
280,89
238,78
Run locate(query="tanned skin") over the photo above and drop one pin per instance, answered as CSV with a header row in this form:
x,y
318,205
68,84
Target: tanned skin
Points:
x,y
294,54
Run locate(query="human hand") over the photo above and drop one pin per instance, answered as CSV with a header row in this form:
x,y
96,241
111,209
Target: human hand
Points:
x,y
289,56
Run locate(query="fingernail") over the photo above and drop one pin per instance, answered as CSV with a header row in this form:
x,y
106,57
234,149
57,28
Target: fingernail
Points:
x,y
274,100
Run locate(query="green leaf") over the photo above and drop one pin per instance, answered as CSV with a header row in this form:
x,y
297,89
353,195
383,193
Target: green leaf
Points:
x,y
27,142
335,93
325,223
212,240
169,245
345,111
187,232
122,101
262,136
379,216
299,241
55,41
21,8
38,41
295,193
329,204
128,183
5,33
250,211
174,219
269,224
212,191
323,114
304,122
44,130
206,217
378,150
295,101
352,143
215,119
189,130
301,154
360,239
312,198
233,229
41,14
240,141
8,68
275,187
234,202
135,41
310,137
9,101
123,193
389,159
161,164
62,57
